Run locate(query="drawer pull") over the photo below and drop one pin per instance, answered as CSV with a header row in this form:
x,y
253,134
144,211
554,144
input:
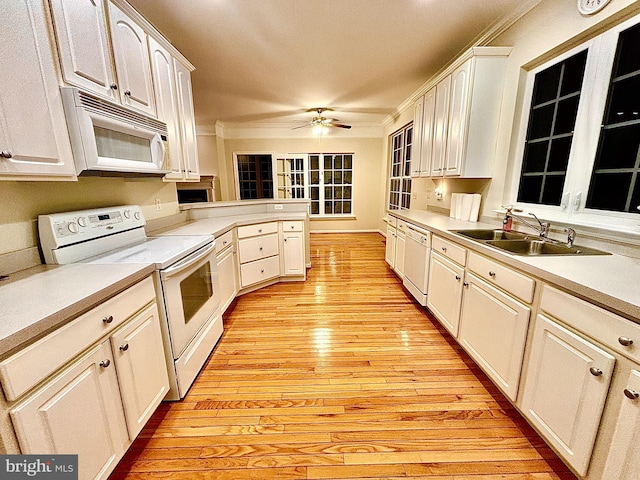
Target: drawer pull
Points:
x,y
225,242
259,230
631,394
596,372
260,248
292,227
262,271
108,319
124,347
444,249
458,277
105,363
492,274
626,341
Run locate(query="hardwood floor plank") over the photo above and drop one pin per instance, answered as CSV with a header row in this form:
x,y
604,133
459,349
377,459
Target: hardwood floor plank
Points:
x,y
343,376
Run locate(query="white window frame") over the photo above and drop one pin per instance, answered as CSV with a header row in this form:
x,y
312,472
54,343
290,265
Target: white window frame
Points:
x,y
287,184
406,149
593,98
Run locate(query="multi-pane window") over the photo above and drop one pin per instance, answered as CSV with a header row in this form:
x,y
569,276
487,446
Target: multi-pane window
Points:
x,y
554,105
581,148
400,174
255,176
614,183
331,183
291,173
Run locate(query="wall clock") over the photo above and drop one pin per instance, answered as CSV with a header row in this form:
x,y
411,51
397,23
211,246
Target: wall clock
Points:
x,y
589,7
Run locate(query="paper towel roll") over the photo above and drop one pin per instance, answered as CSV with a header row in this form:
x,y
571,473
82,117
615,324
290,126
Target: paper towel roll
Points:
x,y
467,201
454,203
475,207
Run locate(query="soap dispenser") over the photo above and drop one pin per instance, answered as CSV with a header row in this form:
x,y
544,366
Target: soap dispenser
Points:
x,y
507,221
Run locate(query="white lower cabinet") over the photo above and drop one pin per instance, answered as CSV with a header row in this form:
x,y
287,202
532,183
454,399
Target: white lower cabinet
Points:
x,y
293,254
78,412
227,277
401,241
493,330
96,400
390,246
623,461
140,363
565,390
444,293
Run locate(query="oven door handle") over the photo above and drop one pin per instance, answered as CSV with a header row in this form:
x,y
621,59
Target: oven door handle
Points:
x,y
187,262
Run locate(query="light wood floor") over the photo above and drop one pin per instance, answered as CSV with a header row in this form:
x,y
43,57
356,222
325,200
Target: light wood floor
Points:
x,y
343,376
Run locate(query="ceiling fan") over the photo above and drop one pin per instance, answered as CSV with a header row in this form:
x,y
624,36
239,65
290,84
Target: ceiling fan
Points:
x,y
321,121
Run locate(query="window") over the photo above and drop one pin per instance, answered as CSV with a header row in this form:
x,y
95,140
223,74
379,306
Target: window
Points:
x,y
580,150
291,173
331,183
400,174
255,176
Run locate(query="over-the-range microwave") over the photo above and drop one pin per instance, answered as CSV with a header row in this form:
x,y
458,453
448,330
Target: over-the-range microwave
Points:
x,y
108,137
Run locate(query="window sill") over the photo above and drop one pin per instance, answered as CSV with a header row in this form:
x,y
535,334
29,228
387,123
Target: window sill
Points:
x,y
331,217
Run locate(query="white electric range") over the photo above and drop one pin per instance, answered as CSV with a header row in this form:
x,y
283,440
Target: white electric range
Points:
x,y
186,278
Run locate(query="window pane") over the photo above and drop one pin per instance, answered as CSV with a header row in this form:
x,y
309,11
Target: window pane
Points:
x,y
315,193
573,74
327,193
337,178
552,192
346,207
566,115
337,192
619,147
337,207
541,121
347,162
530,188
328,177
315,177
328,207
347,177
535,157
609,191
315,162
337,162
546,85
315,208
628,60
327,162
625,100
559,154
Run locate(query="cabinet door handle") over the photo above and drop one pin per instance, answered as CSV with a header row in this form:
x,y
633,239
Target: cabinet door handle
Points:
x,y
124,347
465,284
127,93
105,363
260,248
458,277
261,271
108,319
259,230
631,394
492,274
626,341
6,154
596,372
113,86
285,239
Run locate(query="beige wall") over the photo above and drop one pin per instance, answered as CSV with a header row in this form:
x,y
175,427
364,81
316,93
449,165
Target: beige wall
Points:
x,y
208,154
368,171
22,202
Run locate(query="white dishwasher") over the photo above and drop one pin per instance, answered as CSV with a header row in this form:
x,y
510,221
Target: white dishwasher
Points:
x,y
416,262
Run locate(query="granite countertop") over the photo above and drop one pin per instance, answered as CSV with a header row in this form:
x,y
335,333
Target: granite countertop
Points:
x,y
610,281
40,299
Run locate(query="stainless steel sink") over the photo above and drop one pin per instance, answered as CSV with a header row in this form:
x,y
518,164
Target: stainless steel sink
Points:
x,y
490,234
540,247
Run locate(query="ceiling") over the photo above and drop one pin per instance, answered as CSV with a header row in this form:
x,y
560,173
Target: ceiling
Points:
x,y
269,61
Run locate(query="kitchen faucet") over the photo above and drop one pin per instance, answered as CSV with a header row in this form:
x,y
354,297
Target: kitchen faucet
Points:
x,y
542,228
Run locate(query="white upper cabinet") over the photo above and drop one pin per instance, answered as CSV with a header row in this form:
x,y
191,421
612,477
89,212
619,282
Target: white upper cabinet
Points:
x,y
418,117
164,82
187,122
440,125
456,121
34,143
131,55
83,46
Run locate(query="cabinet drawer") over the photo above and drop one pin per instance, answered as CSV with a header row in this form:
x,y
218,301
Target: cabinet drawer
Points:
x,y
391,221
257,229
450,250
601,325
292,226
402,227
224,241
255,248
513,282
28,367
259,271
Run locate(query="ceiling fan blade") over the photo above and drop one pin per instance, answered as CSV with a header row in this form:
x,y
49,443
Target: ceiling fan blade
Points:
x,y
339,125
302,126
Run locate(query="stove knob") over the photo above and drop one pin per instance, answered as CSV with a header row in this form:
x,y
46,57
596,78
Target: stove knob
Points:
x,y
73,227
127,214
137,215
82,221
